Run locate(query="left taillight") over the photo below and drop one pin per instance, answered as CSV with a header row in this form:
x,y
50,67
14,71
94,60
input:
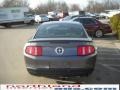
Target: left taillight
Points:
x,y
34,50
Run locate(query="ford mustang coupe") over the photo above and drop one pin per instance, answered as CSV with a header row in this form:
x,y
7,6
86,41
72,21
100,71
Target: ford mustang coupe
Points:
x,y
60,48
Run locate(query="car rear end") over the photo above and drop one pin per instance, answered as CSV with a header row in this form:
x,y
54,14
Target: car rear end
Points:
x,y
106,28
61,52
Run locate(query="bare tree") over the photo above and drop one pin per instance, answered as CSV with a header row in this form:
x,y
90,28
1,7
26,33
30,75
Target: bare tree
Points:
x,y
94,6
111,4
51,6
74,7
15,3
41,9
0,5
62,6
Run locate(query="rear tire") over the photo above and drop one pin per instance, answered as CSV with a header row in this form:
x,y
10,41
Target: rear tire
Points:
x,y
99,33
31,22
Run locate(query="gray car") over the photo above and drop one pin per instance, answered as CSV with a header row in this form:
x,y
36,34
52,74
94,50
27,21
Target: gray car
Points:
x,y
60,48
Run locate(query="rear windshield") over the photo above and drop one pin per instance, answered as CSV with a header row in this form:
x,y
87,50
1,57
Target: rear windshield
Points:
x,y
60,31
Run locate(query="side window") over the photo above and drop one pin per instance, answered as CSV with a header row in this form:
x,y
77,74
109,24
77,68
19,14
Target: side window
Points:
x,y
15,11
86,21
92,21
82,20
77,20
89,21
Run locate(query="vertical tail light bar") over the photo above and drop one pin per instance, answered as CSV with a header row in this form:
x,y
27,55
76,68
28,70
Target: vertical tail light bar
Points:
x,y
85,50
34,50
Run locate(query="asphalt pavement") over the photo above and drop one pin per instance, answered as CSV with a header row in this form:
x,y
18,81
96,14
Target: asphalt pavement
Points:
x,y
13,70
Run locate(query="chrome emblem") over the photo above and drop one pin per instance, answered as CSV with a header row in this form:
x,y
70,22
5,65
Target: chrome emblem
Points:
x,y
59,50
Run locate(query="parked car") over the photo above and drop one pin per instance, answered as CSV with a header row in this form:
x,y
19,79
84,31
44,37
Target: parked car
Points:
x,y
60,48
53,18
41,18
93,26
68,18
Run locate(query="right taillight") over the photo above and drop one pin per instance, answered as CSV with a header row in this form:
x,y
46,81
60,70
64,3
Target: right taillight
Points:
x,y
85,50
34,50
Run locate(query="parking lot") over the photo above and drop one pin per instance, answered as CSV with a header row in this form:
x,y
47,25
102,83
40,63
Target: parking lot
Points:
x,y
13,70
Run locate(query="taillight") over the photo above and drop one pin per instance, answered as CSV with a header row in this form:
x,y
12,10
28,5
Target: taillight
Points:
x,y
85,50
34,50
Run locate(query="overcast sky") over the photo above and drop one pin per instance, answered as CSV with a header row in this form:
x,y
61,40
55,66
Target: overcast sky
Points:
x,y
34,3
81,3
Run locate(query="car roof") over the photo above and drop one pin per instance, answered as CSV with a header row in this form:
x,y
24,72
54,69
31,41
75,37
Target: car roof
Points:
x,y
72,16
81,18
61,22
84,17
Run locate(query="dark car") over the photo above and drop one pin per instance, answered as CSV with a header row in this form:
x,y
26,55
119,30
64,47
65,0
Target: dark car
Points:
x,y
68,18
93,26
60,48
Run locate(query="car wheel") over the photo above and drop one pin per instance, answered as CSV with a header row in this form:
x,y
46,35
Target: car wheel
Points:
x,y
98,33
32,72
32,22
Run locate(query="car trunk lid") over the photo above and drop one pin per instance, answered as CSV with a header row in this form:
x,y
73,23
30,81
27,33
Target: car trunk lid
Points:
x,y
60,47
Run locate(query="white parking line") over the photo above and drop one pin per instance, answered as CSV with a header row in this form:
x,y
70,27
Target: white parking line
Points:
x,y
107,58
114,65
109,67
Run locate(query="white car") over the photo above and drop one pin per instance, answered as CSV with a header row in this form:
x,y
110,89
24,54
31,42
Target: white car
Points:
x,y
41,18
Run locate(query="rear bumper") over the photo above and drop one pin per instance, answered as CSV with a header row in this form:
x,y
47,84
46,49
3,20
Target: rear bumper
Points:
x,y
107,31
61,72
61,65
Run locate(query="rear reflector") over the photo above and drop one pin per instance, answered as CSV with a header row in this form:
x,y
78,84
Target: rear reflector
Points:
x,y
34,50
85,50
